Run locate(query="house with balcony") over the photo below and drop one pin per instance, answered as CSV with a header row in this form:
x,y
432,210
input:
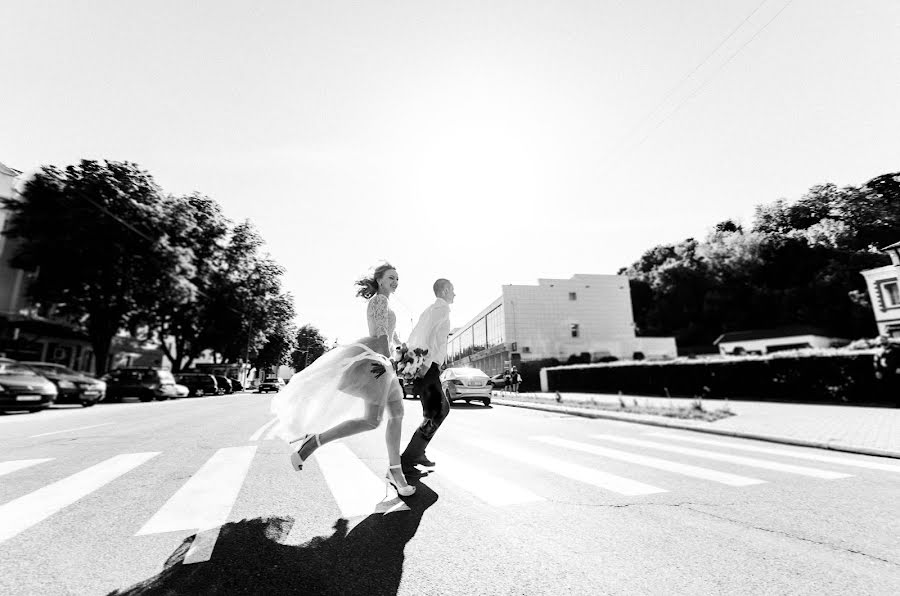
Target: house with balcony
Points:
x,y
884,293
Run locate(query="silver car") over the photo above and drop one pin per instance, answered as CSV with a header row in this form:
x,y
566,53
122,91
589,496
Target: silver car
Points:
x,y
466,383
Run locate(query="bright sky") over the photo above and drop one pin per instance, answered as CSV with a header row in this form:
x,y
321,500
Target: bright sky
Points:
x,y
487,142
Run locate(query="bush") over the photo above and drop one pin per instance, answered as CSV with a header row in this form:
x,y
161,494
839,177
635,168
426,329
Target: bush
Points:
x,y
828,377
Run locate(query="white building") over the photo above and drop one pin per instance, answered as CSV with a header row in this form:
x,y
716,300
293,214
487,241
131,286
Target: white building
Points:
x,y
586,316
765,341
884,293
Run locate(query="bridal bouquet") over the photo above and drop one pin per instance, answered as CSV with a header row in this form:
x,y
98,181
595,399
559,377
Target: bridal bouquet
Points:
x,y
409,361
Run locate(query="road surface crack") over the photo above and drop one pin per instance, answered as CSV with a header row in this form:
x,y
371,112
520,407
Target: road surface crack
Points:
x,y
786,534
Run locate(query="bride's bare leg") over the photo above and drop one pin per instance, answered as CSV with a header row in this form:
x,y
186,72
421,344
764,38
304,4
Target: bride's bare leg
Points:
x,y
370,420
392,432
392,437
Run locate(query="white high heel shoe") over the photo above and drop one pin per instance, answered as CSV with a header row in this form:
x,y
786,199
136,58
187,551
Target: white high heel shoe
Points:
x,y
296,460
403,491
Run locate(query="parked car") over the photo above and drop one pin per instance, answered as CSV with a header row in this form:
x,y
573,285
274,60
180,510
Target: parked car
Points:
x,y
145,383
499,381
71,387
271,384
22,388
198,384
181,390
409,389
467,384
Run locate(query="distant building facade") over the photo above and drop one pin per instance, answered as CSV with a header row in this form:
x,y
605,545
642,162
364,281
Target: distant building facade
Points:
x,y
587,316
24,333
884,293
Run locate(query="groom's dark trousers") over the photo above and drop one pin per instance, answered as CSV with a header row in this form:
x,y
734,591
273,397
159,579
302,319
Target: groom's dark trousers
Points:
x,y
435,408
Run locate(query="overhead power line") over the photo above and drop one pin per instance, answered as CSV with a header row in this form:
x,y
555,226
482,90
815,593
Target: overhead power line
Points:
x,y
706,82
687,77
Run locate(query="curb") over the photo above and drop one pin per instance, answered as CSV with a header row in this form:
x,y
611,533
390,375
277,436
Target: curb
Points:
x,y
592,413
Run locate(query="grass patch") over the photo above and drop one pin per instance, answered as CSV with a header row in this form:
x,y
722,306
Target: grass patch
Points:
x,y
632,405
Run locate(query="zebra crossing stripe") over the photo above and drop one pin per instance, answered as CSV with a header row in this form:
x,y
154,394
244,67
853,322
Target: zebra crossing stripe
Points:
x,y
205,500
487,487
653,462
259,432
355,488
604,480
830,459
20,514
7,467
735,459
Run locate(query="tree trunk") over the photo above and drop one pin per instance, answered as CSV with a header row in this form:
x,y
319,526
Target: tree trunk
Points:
x,y
101,341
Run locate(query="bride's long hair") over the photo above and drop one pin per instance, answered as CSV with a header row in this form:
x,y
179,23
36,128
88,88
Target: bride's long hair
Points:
x,y
368,286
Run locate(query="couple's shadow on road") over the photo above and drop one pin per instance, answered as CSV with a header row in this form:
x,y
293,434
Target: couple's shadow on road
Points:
x,y
249,559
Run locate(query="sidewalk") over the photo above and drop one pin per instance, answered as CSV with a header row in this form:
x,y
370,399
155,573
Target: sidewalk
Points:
x,y
870,431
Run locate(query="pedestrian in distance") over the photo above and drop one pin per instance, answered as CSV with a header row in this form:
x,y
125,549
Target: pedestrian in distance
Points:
x,y
347,390
430,333
515,379
507,380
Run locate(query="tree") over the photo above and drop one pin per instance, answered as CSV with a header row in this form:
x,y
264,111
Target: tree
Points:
x,y
96,233
799,263
245,303
310,344
280,340
196,224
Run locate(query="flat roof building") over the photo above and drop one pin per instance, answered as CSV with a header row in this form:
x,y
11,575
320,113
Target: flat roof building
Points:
x,y
586,317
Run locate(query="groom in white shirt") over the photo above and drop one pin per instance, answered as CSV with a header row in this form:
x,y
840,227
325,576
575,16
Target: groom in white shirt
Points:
x,y
430,332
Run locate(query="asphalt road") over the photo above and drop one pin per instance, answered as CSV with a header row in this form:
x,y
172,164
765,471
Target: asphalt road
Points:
x,y
194,496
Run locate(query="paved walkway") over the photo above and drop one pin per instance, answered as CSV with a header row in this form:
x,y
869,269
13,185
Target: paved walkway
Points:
x,y
873,431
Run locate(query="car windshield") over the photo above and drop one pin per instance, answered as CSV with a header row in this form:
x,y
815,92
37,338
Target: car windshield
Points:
x,y
16,369
54,368
133,376
468,372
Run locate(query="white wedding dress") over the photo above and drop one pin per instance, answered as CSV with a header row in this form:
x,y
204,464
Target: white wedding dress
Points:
x,y
339,384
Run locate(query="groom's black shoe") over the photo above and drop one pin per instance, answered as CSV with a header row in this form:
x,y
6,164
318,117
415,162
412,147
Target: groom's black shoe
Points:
x,y
420,461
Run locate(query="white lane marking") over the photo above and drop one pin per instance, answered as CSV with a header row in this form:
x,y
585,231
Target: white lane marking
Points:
x,y
611,482
830,459
22,513
20,464
735,459
356,489
56,432
255,436
206,499
490,489
653,462
202,547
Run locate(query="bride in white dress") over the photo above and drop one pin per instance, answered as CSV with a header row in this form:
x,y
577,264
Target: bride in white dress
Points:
x,y
347,390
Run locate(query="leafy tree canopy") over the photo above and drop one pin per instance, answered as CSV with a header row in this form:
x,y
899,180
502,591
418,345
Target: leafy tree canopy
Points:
x,y
798,263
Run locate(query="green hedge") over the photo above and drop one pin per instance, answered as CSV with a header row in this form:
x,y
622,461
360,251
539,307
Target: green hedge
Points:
x,y
833,377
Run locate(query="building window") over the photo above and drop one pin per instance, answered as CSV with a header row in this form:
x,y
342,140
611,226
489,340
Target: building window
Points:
x,y
575,330
572,296
890,294
526,350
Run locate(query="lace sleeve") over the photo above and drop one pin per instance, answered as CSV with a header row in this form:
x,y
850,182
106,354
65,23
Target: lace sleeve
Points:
x,y
378,312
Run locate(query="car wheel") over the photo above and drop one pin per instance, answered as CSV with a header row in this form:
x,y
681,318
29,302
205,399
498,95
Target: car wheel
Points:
x,y
87,403
200,393
486,401
146,398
